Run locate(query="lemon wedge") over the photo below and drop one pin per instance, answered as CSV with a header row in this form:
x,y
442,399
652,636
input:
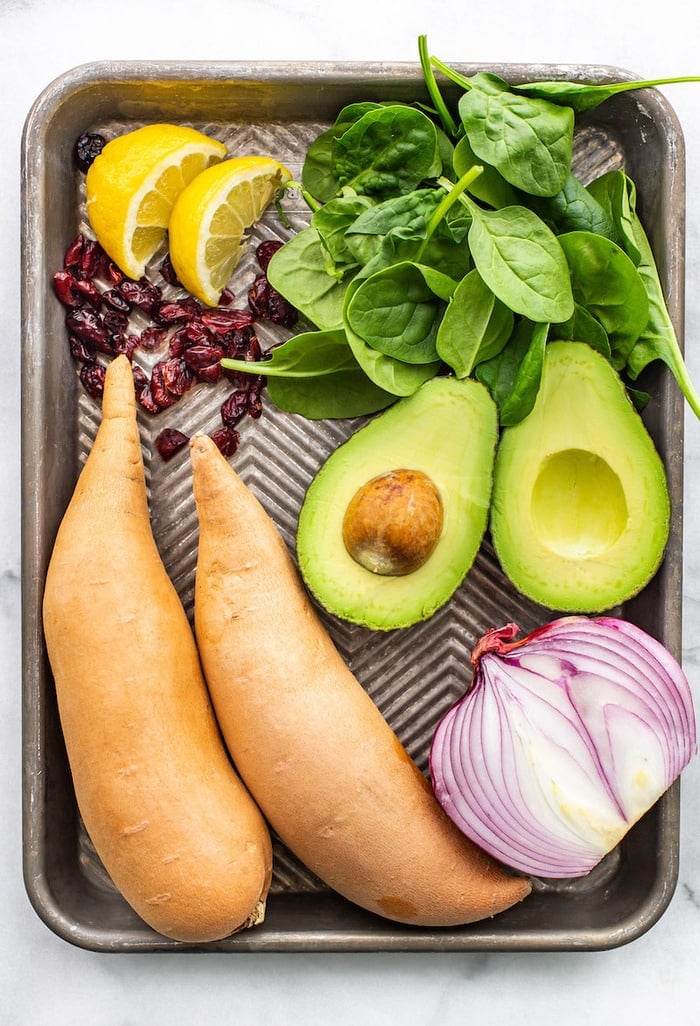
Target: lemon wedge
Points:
x,y
211,216
132,185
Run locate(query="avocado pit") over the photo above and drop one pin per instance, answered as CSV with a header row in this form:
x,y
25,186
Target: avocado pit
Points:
x,y
393,522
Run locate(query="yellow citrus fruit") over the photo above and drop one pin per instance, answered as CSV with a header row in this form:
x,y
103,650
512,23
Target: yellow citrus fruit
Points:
x,y
132,186
211,216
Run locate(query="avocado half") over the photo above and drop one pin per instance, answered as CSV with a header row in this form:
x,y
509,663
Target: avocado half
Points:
x,y
580,512
448,431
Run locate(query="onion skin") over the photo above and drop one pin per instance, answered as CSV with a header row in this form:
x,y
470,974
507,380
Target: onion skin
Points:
x,y
565,738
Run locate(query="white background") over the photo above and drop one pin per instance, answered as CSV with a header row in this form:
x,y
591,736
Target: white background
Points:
x,y
44,980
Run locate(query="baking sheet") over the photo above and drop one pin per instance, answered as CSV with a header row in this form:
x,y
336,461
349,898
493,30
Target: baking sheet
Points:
x,y
278,109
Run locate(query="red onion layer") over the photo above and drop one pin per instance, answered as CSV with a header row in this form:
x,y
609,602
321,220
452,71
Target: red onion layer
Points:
x,y
565,738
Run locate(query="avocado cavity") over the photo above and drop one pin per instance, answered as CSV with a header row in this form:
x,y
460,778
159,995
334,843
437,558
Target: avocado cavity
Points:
x,y
394,518
580,513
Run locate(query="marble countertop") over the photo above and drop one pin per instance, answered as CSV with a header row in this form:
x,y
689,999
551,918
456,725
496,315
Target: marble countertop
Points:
x,y
45,981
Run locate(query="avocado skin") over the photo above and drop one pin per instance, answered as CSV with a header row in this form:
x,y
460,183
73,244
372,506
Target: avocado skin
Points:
x,y
448,429
580,515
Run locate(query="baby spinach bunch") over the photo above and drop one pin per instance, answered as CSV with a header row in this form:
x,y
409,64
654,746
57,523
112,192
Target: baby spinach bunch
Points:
x,y
462,245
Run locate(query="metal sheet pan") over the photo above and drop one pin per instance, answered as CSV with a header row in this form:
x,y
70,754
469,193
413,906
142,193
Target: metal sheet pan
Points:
x,y
278,108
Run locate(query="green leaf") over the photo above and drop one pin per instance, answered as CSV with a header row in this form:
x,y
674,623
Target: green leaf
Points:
x,y
529,141
392,375
575,209
475,326
397,311
490,186
583,327
606,282
316,375
332,221
513,377
388,150
298,270
658,340
583,96
522,262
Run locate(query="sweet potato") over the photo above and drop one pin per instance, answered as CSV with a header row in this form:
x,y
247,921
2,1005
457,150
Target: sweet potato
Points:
x,y
324,766
176,829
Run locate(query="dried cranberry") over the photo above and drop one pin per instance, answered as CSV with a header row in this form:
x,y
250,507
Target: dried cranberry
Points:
x,y
159,389
179,341
88,146
233,408
169,442
115,298
92,376
225,320
226,298
168,272
239,379
226,439
197,333
112,272
115,321
142,294
80,350
126,344
255,406
266,302
266,251
144,394
210,374
177,377
73,254
92,259
175,313
88,327
152,337
198,358
63,286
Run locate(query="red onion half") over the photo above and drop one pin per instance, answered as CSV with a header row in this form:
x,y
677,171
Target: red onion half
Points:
x,y
564,739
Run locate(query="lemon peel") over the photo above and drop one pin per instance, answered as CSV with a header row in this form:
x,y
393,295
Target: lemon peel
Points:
x,y
210,218
132,185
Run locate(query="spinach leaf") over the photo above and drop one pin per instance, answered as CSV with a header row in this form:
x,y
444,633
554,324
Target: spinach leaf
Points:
x,y
316,375
583,327
521,261
398,309
611,192
583,96
490,186
298,270
399,226
658,340
513,377
387,373
475,326
388,150
608,285
575,209
530,141
318,175
332,221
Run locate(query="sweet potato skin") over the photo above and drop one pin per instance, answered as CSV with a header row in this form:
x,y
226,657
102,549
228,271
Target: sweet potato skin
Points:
x,y
174,826
331,777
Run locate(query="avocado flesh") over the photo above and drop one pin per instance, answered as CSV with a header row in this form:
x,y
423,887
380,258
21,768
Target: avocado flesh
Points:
x,y
580,513
448,429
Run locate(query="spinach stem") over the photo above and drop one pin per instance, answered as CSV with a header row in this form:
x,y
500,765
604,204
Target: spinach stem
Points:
x,y
446,202
448,122
454,76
